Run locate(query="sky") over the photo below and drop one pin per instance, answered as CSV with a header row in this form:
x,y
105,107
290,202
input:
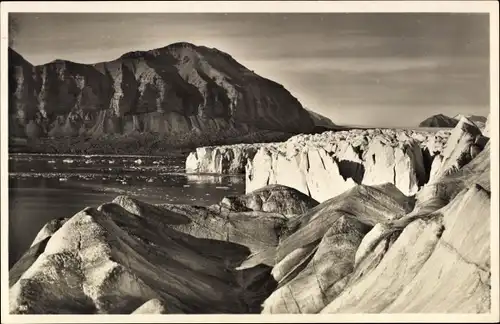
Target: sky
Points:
x,y
366,69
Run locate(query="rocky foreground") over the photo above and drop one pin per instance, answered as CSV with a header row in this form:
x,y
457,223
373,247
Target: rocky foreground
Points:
x,y
370,248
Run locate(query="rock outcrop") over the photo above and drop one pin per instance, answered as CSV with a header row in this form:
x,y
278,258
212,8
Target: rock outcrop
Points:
x,y
331,232
272,199
184,91
132,257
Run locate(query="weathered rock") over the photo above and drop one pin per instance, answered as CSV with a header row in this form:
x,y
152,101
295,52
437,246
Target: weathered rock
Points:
x,y
462,253
310,290
370,205
255,230
314,261
153,306
459,149
182,90
377,289
439,262
272,199
292,261
48,230
109,260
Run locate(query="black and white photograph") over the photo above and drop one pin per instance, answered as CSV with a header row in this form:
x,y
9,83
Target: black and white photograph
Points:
x,y
216,158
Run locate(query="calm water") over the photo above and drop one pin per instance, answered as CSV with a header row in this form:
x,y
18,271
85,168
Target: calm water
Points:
x,y
44,187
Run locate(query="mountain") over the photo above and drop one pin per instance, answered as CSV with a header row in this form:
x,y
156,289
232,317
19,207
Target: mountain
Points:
x,y
439,121
322,121
181,92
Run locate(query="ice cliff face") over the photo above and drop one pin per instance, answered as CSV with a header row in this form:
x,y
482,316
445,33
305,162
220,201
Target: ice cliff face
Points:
x,y
327,164
178,90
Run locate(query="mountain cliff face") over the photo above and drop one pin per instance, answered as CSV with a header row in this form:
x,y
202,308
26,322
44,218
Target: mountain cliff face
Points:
x,y
179,90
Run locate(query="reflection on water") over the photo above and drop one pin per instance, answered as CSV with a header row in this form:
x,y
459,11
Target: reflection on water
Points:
x,y
214,179
44,187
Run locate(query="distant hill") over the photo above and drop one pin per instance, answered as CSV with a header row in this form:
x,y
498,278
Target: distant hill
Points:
x,y
321,121
439,120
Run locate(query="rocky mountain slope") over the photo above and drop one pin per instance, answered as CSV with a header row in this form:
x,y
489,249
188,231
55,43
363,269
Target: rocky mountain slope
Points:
x,y
322,121
439,120
369,249
182,92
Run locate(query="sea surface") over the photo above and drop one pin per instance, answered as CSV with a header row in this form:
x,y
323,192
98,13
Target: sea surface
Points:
x,y
46,186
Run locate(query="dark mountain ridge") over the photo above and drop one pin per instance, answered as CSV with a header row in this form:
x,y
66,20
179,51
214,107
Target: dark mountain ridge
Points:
x,y
189,94
439,120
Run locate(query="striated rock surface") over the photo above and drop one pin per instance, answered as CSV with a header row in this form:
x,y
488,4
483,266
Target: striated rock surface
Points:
x,y
255,230
48,230
309,290
272,199
129,256
433,258
185,91
464,143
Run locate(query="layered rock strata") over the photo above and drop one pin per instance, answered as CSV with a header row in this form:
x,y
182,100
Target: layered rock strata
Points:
x,y
181,90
